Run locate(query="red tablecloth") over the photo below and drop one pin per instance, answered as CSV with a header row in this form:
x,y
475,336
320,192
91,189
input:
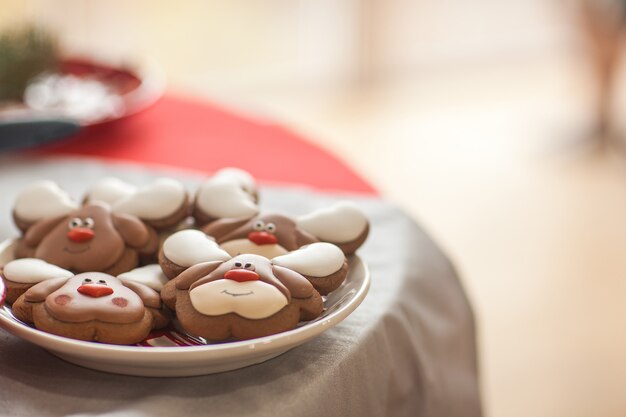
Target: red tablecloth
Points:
x,y
201,136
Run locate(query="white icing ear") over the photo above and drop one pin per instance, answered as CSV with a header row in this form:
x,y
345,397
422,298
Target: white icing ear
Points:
x,y
155,201
339,223
111,190
150,275
229,193
42,199
315,260
190,247
32,271
241,177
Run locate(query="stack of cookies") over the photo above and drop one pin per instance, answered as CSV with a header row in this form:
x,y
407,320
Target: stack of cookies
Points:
x,y
127,260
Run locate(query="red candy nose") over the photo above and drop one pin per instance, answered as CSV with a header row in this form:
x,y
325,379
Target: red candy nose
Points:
x,y
80,234
262,238
95,291
241,275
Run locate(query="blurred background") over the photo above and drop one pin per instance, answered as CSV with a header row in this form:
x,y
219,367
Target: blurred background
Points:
x,y
495,123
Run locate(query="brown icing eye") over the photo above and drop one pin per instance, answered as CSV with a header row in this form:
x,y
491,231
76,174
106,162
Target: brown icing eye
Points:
x,y
270,227
237,264
249,266
89,222
102,282
75,222
87,281
258,225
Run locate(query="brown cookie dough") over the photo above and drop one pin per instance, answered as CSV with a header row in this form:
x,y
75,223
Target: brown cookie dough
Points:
x,y
329,283
170,269
174,219
14,290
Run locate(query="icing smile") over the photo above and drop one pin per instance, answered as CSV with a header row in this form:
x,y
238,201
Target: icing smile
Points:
x,y
74,252
235,294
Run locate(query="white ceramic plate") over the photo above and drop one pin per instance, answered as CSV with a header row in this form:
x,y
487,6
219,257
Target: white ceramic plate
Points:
x,y
192,360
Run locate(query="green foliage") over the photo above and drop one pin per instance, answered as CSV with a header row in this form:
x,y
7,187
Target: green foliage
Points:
x,y
24,53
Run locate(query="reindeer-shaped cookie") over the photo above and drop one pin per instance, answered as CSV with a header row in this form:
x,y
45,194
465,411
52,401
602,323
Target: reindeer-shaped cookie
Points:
x,y
94,307
272,235
321,263
87,239
244,297
109,233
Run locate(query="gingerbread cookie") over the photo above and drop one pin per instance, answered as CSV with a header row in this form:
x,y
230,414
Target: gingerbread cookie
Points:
x,y
230,193
245,297
21,274
162,204
323,264
94,307
91,238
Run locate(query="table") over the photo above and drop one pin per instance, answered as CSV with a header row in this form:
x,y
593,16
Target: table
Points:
x,y
199,136
409,349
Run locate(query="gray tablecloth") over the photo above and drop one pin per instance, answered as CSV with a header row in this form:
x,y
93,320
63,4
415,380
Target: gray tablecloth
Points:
x,y
408,350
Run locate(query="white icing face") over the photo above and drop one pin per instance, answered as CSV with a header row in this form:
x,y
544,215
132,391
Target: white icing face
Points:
x,y
228,194
155,201
71,303
191,247
250,299
42,199
245,246
111,190
150,275
340,223
32,271
314,260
